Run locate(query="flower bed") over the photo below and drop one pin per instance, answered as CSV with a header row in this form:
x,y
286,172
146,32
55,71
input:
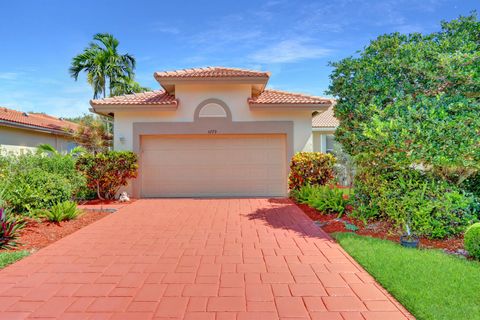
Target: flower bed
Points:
x,y
378,229
39,234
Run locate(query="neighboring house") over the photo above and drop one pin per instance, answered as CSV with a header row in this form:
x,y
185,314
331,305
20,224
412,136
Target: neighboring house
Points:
x,y
212,132
22,131
324,125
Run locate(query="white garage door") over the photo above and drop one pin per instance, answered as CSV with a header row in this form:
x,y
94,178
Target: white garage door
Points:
x,y
213,165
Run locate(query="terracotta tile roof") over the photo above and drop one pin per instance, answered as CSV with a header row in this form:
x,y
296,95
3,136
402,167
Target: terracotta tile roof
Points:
x,y
36,120
212,72
325,119
158,97
269,96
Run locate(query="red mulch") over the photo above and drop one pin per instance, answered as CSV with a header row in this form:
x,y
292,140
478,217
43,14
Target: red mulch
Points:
x,y
105,202
380,229
39,234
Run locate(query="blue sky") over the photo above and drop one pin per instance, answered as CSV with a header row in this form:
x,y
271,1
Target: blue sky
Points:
x,y
294,40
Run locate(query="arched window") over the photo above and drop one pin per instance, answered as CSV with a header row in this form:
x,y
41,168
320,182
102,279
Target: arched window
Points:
x,y
212,110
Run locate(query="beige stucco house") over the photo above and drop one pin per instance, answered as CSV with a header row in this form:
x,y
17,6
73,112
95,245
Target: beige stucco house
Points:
x,y
22,131
212,132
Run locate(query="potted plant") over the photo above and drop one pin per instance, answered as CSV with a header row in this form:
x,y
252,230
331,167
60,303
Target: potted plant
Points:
x,y
408,239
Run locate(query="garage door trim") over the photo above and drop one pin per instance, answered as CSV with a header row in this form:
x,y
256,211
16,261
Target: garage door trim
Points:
x,y
211,126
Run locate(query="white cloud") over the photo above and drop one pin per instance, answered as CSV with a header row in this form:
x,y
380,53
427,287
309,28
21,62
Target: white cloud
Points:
x,y
288,51
10,75
162,28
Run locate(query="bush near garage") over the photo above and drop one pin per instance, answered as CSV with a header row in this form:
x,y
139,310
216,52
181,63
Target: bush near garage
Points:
x,y
326,199
311,168
108,171
34,181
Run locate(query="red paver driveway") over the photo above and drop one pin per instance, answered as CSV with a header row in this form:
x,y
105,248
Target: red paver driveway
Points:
x,y
195,259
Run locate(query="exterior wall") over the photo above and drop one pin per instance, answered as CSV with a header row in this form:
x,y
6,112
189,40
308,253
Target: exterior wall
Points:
x,y
16,140
234,96
319,140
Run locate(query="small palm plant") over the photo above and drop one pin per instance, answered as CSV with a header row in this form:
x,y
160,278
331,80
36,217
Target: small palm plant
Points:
x,y
62,211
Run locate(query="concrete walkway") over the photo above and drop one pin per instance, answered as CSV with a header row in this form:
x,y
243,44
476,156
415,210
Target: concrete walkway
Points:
x,y
195,259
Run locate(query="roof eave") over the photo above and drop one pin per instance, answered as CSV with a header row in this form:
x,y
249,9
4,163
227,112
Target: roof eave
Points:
x,y
323,129
290,106
107,109
19,125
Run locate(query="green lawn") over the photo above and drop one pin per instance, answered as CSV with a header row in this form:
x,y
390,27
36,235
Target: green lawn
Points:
x,y
7,258
429,283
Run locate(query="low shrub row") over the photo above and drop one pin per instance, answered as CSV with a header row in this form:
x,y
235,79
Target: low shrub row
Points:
x,y
326,199
430,207
37,181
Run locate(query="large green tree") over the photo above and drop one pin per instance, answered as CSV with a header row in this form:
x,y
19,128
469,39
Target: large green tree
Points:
x,y
409,109
106,68
414,101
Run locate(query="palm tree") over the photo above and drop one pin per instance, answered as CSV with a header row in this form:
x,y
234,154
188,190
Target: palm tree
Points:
x,y
103,64
125,85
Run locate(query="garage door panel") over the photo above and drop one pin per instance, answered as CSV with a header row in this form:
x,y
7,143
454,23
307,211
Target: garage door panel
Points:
x,y
221,165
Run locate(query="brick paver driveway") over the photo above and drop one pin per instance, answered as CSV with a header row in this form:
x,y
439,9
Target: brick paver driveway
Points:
x,y
195,259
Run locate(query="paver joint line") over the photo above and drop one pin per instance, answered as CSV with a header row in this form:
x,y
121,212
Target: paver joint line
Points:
x,y
196,259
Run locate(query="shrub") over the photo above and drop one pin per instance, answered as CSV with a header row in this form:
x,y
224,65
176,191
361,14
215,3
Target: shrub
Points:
x,y
37,181
472,240
304,194
472,184
9,228
36,189
107,172
330,199
62,211
431,207
311,168
327,199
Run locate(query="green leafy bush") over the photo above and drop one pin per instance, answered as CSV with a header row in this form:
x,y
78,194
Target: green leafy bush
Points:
x,y
431,207
472,240
311,168
62,211
303,194
107,172
327,199
408,108
330,199
37,181
36,189
10,225
472,184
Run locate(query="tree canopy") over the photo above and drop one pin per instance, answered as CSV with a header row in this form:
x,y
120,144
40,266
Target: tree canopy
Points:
x,y
106,67
414,100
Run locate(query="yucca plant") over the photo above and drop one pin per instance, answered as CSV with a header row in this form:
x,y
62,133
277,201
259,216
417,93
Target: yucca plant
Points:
x,y
9,229
62,211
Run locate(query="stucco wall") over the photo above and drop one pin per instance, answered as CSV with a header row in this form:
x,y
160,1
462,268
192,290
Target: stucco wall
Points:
x,y
235,96
15,140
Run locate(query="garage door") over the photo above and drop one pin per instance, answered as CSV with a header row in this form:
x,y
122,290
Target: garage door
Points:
x,y
213,165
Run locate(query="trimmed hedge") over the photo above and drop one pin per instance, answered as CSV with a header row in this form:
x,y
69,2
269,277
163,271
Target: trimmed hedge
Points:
x,y
311,168
472,240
